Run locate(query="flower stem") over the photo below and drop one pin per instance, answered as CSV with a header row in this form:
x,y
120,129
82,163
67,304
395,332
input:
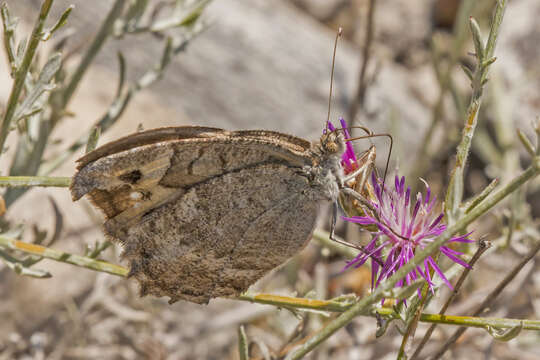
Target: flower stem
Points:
x,y
27,181
22,71
62,256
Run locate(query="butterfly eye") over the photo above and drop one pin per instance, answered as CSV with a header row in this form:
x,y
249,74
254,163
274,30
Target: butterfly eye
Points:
x,y
329,142
332,146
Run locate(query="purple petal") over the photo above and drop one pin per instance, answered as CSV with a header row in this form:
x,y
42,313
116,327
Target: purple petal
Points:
x,y
446,251
345,127
362,220
462,238
413,218
439,272
428,194
407,196
436,221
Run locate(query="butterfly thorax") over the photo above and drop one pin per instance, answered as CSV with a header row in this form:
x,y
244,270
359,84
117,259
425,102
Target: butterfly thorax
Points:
x,y
326,172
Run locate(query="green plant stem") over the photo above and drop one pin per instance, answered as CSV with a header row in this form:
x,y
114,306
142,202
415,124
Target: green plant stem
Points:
x,y
455,188
445,84
359,98
28,181
297,303
386,286
337,306
22,71
490,298
243,343
64,257
483,246
9,37
104,32
323,238
413,323
122,100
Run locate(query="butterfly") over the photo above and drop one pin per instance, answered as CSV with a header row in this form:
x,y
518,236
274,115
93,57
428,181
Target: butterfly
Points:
x,y
203,212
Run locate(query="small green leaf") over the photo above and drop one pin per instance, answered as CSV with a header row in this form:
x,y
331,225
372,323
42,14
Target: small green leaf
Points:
x,y
505,334
50,68
61,22
93,138
467,72
488,62
122,73
477,39
135,12
167,54
243,344
526,143
382,326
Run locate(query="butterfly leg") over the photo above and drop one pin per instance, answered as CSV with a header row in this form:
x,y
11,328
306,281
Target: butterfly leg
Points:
x,y
333,229
361,199
339,241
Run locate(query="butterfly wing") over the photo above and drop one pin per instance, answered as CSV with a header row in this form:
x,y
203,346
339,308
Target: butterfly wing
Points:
x,y
202,216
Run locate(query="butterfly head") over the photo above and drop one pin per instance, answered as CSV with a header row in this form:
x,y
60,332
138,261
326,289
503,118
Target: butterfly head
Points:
x,y
332,142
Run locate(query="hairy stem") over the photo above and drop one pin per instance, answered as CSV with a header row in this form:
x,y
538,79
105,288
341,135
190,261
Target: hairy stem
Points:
x,y
22,71
28,181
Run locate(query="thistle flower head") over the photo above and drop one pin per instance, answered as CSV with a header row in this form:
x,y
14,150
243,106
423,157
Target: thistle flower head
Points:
x,y
403,225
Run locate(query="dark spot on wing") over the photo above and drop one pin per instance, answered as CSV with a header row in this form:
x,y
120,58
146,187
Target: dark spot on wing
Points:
x,y
131,177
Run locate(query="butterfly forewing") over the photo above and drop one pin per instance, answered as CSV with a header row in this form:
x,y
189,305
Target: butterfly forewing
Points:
x,y
204,214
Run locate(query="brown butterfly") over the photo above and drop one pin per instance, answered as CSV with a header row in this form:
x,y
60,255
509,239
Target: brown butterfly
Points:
x,y
203,212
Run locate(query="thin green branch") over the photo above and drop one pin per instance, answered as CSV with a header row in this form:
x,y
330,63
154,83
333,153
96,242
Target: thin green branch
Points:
x,y
9,38
445,83
526,143
22,269
480,197
359,98
454,195
323,238
417,307
28,181
298,303
334,305
64,257
20,74
122,100
490,298
243,343
481,250
104,32
93,138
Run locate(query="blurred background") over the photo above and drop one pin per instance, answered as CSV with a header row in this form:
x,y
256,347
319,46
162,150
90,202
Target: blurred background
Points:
x,y
266,65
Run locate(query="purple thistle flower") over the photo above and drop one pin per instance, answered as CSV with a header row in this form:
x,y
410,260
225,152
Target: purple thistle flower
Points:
x,y
403,226
348,159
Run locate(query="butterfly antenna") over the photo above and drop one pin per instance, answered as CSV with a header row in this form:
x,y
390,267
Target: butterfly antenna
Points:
x,y
338,35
